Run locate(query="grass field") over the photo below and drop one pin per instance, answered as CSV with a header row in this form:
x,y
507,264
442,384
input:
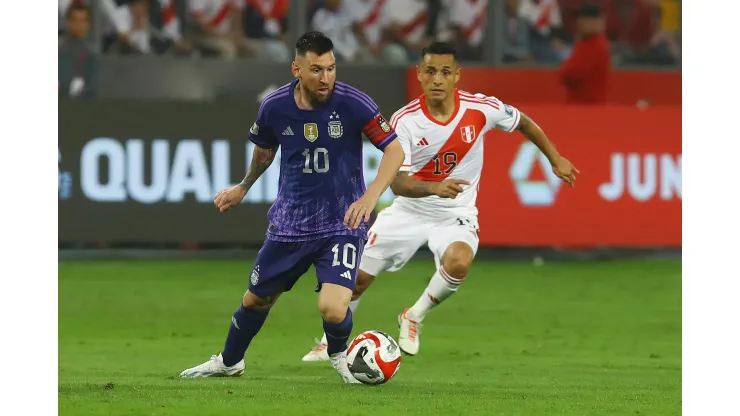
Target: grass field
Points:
x,y
561,339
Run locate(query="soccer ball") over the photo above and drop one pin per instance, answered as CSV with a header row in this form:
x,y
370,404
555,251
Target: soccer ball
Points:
x,y
373,357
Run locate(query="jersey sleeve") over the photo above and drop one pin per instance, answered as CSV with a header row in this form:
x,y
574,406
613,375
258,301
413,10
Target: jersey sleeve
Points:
x,y
499,115
375,126
404,137
260,133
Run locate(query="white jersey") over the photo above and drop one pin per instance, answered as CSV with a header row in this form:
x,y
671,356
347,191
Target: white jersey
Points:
x,y
453,150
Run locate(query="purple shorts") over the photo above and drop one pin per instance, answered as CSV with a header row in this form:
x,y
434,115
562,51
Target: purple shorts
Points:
x,y
279,265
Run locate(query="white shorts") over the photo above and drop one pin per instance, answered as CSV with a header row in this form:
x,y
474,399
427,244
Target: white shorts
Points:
x,y
397,234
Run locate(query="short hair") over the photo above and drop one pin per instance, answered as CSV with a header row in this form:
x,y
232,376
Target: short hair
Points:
x,y
439,48
315,42
77,7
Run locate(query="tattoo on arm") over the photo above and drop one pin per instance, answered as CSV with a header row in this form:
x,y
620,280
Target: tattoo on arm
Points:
x,y
261,160
405,185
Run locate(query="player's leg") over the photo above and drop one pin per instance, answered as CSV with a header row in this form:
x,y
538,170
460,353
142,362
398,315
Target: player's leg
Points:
x,y
392,241
336,270
454,245
364,279
277,268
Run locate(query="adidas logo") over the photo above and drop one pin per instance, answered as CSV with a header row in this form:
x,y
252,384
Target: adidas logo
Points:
x,y
423,142
347,275
288,131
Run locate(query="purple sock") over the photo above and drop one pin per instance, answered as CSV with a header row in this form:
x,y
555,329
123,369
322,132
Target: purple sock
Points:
x,y
245,324
338,334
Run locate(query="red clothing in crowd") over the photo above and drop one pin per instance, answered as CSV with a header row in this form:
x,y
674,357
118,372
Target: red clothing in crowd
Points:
x,y
586,71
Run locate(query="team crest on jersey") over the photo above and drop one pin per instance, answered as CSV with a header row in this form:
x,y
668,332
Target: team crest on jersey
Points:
x,y
335,129
509,110
255,129
311,132
468,133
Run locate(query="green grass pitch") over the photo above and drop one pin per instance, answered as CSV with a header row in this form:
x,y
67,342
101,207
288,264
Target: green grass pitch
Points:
x,y
587,338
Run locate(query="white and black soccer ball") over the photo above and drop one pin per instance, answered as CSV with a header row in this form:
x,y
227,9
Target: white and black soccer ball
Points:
x,y
373,357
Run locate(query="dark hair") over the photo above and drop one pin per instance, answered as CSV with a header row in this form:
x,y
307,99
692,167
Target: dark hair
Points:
x,y
77,7
439,48
315,42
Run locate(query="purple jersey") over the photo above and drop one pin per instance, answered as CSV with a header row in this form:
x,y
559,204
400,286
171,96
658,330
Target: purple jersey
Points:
x,y
321,159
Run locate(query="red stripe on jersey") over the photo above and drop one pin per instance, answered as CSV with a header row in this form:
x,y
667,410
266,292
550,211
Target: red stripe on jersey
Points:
x,y
488,103
491,100
402,110
434,120
419,20
222,13
374,13
398,116
480,18
439,168
168,13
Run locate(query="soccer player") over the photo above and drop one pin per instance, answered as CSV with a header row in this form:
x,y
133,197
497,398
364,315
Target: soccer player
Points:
x,y
442,133
321,213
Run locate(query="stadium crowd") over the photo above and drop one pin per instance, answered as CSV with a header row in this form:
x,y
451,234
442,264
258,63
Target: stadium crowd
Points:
x,y
374,31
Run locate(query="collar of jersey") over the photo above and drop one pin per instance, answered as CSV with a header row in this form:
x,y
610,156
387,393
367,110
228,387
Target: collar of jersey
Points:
x,y
428,115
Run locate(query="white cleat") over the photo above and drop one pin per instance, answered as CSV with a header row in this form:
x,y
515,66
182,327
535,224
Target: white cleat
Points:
x,y
408,339
214,368
319,353
339,361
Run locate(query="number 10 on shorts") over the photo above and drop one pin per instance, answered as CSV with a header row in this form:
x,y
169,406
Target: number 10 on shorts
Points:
x,y
349,255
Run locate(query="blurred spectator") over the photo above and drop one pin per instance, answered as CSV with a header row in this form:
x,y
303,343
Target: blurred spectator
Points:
x,y
78,66
217,27
142,37
547,35
586,71
364,18
629,26
266,24
468,22
331,20
404,24
665,41
516,41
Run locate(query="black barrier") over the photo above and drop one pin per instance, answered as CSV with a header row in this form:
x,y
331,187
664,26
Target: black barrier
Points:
x,y
157,78
147,172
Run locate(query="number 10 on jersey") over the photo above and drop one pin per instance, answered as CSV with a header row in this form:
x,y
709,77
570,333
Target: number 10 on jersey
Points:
x,y
316,161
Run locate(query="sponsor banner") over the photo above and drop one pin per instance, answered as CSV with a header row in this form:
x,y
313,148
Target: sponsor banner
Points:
x,y
628,193
543,86
147,172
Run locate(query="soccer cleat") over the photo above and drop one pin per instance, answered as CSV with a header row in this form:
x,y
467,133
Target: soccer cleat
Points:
x,y
408,339
339,361
319,353
214,368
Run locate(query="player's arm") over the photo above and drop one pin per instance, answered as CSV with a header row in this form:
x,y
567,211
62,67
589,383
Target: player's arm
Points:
x,y
390,163
411,187
265,148
560,165
536,135
261,160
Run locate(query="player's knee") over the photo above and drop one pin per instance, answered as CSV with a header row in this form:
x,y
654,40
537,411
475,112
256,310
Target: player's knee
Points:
x,y
252,301
333,313
458,263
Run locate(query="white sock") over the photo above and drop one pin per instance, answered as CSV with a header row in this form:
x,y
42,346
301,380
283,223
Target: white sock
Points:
x,y
441,287
353,304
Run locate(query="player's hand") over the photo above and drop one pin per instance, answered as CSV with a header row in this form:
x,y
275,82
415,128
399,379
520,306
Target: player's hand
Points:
x,y
360,211
449,188
565,170
229,197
